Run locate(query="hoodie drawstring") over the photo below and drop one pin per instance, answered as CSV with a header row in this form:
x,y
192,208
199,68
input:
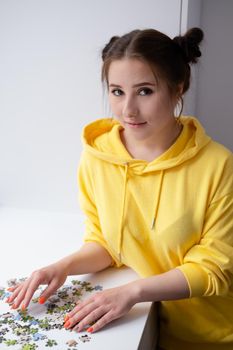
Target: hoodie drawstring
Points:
x,y
122,210
157,200
156,206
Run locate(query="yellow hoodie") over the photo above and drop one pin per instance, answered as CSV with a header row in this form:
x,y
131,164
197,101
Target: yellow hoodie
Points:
x,y
173,212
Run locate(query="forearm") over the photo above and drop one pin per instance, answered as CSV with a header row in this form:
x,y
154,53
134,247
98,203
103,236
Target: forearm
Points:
x,y
91,257
170,285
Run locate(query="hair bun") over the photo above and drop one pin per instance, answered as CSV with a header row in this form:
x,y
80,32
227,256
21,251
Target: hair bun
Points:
x,y
189,43
108,46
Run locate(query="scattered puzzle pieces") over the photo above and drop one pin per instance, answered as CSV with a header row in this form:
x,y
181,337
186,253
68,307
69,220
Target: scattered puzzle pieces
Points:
x,y
71,342
85,338
28,331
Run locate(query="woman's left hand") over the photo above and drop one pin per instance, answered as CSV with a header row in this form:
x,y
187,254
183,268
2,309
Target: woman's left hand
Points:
x,y
101,308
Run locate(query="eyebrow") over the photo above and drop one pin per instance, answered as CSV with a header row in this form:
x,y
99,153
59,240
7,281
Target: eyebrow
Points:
x,y
136,85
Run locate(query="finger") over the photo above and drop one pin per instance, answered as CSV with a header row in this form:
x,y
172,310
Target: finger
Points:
x,y
80,306
37,278
108,317
91,317
48,291
13,288
28,294
29,291
12,297
78,316
20,295
29,288
71,313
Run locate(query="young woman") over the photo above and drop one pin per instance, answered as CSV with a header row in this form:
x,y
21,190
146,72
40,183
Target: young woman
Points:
x,y
158,196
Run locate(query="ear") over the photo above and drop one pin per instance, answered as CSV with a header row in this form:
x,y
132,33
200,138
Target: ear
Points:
x,y
177,95
180,88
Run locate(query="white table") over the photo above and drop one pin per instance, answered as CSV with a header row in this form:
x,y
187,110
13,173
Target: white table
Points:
x,y
31,239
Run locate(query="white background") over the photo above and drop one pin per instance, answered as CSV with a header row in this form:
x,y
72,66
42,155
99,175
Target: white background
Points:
x,y
50,61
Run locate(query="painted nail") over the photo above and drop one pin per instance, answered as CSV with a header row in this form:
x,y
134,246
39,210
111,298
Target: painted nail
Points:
x,y
10,289
90,330
66,318
13,306
7,300
23,307
67,324
41,300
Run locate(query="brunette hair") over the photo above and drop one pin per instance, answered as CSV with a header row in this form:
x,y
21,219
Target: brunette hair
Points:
x,y
170,57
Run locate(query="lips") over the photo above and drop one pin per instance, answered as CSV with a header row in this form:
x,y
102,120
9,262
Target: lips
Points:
x,y
136,123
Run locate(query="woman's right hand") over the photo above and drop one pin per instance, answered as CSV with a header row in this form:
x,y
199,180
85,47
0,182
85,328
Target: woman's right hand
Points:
x,y
53,276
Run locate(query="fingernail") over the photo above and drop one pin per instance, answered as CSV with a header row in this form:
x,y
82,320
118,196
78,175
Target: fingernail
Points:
x,y
41,300
13,306
67,324
90,330
10,289
66,318
7,300
23,307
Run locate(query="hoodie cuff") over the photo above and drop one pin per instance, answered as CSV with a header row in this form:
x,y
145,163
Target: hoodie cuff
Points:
x,y
115,261
197,279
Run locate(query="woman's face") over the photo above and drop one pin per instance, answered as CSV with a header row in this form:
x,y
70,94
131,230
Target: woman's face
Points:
x,y
141,103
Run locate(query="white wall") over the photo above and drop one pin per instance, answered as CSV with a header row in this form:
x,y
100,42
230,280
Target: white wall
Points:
x,y
215,80
50,87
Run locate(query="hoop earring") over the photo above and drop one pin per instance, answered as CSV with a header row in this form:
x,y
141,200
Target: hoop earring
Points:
x,y
180,104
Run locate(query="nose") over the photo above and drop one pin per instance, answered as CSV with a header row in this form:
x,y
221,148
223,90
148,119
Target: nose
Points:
x,y
130,109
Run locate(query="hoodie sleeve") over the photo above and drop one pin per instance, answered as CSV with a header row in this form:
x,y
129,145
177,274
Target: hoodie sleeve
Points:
x,y
87,204
208,266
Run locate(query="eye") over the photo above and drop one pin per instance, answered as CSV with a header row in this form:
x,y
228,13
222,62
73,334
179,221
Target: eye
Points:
x,y
145,91
116,92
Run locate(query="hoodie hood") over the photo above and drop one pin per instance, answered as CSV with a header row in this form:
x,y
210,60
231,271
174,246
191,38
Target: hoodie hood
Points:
x,y
102,139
